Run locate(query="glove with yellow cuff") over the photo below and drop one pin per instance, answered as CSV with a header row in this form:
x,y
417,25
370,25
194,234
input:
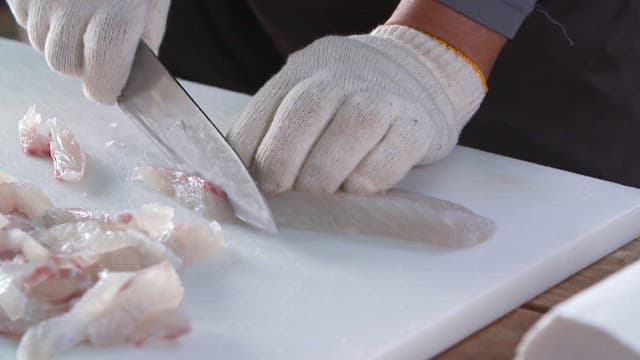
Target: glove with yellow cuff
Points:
x,y
358,112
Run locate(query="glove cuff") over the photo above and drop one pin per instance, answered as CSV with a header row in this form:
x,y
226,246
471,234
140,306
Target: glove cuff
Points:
x,y
460,78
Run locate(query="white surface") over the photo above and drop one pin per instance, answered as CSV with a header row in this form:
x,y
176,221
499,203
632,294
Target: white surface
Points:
x,y
598,323
300,295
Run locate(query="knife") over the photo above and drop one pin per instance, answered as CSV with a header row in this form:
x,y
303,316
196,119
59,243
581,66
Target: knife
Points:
x,y
157,103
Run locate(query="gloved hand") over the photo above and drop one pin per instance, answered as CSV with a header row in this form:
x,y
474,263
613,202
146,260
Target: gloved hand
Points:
x,y
358,112
95,40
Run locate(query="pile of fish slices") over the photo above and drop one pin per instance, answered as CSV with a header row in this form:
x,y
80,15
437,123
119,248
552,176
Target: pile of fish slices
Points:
x,y
73,275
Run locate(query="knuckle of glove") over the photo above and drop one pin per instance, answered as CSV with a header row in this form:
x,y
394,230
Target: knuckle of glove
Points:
x,y
421,117
110,42
39,13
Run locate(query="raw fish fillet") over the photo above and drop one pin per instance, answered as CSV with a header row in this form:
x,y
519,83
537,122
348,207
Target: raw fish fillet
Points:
x,y
69,161
31,141
397,214
118,307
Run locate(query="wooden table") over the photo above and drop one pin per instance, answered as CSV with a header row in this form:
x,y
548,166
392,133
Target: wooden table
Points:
x,y
499,340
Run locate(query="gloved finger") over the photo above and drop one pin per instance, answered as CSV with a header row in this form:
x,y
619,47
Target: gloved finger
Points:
x,y
402,146
299,120
110,43
20,11
38,23
156,22
248,131
356,128
63,48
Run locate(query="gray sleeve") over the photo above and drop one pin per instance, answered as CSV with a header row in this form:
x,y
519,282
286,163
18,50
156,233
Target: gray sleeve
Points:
x,y
501,16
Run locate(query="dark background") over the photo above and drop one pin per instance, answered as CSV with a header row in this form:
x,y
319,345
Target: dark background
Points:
x,y
8,27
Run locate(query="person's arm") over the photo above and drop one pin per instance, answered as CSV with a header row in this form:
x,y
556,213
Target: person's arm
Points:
x,y
471,38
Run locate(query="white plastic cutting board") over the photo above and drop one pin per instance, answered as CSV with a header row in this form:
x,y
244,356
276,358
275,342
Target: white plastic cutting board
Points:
x,y
300,295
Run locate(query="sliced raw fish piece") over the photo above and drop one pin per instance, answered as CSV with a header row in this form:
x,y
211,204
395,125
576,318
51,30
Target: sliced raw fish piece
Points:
x,y
55,280
6,178
169,324
24,199
69,161
148,295
11,241
194,242
154,219
57,334
16,241
190,191
34,311
4,222
17,221
396,214
33,250
56,216
90,242
189,242
109,313
12,299
31,141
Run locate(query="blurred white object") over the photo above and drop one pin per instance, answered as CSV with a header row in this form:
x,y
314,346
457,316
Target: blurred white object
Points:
x,y
92,39
602,322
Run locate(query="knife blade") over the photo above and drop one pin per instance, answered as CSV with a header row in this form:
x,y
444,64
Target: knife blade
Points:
x,y
165,112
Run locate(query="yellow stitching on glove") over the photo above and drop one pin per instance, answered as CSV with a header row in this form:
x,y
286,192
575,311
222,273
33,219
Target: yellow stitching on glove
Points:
x,y
464,57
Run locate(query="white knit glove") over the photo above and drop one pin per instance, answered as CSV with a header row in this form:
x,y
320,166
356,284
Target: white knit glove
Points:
x,y
357,112
95,40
